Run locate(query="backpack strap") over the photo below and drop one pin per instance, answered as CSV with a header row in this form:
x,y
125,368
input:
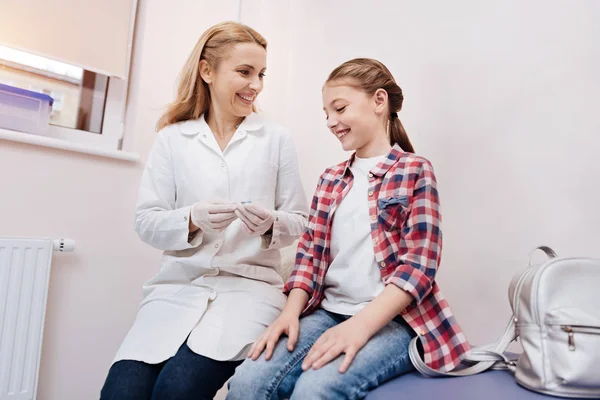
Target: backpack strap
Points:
x,y
490,356
482,358
547,250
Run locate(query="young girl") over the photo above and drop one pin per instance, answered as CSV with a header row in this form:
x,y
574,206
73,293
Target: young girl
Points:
x,y
220,195
364,280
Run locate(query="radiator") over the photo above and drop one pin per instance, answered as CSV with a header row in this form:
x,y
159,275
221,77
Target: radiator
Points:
x,y
24,276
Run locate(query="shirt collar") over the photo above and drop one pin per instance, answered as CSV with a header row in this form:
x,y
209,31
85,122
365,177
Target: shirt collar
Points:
x,y
382,167
252,122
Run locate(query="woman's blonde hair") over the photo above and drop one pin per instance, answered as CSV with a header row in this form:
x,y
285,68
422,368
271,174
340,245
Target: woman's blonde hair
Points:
x,y
369,75
193,95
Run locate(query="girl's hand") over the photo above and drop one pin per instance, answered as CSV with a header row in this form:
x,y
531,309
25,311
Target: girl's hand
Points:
x,y
347,337
287,323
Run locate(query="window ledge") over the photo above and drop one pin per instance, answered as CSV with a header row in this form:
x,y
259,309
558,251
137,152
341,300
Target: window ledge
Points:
x,y
15,136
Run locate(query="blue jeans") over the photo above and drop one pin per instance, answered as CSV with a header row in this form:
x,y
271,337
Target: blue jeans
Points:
x,y
185,376
385,356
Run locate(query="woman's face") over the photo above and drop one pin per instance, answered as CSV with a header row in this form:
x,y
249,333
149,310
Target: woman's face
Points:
x,y
238,79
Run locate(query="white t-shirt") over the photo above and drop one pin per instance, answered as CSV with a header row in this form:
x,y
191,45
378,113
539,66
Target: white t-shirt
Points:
x,y
353,278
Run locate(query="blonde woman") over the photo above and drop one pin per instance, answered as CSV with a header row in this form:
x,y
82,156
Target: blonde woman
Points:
x,y
220,194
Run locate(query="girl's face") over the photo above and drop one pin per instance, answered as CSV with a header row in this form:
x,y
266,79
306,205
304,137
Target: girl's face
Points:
x,y
238,80
353,116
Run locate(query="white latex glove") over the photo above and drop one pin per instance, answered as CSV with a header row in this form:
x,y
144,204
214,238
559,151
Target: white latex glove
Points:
x,y
213,217
256,219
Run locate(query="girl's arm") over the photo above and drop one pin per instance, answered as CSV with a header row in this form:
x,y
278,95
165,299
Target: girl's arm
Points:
x,y
288,323
384,308
295,303
304,272
420,245
299,287
351,335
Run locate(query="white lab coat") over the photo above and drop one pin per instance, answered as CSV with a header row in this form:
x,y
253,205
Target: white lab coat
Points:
x,y
218,290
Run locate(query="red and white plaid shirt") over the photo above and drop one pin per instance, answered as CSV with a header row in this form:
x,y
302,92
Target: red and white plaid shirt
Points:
x,y
407,241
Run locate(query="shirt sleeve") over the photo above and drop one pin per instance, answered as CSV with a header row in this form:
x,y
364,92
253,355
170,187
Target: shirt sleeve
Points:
x,y
304,272
421,238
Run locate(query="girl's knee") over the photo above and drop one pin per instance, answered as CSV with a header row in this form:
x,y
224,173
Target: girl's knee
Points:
x,y
311,389
326,383
251,379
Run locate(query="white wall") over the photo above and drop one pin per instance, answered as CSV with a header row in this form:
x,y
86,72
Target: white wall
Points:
x,y
501,96
94,292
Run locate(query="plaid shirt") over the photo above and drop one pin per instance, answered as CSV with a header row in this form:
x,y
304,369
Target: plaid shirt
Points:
x,y
407,241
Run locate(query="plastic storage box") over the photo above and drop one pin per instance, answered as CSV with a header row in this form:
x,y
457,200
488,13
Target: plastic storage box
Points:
x,y
23,110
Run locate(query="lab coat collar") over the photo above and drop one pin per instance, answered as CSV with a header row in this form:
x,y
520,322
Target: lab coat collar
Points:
x,y
252,122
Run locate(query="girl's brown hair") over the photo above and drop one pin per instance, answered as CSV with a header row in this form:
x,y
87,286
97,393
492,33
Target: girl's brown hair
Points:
x,y
370,75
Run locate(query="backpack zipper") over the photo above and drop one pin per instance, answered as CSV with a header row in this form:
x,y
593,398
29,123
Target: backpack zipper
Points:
x,y
572,329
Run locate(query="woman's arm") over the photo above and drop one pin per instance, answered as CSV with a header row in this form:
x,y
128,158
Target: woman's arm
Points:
x,y
290,200
157,222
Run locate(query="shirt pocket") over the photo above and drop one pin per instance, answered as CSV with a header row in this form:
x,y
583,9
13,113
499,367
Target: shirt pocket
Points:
x,y
392,211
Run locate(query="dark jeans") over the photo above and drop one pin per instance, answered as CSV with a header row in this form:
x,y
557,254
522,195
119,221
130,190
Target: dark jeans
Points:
x,y
184,376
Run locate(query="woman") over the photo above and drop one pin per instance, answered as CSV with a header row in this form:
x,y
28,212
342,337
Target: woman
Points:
x,y
364,280
220,194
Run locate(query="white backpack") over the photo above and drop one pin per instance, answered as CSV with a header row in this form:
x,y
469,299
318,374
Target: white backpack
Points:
x,y
556,315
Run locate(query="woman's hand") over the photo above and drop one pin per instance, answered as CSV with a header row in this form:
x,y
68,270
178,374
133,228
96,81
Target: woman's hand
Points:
x,y
256,219
287,323
213,217
348,337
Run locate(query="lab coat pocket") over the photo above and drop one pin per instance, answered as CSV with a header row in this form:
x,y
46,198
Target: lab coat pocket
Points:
x,y
260,183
